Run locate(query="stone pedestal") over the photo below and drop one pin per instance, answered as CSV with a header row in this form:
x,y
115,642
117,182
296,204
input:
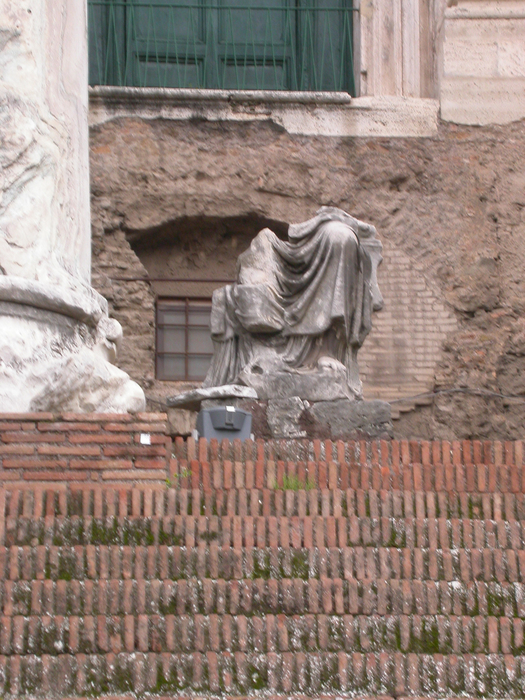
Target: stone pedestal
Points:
x,y
291,418
57,342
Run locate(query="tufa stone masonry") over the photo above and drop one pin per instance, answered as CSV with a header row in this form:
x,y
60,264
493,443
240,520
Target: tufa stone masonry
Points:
x,y
176,199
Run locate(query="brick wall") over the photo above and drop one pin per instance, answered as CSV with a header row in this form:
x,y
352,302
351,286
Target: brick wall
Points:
x,y
94,447
83,447
288,569
400,355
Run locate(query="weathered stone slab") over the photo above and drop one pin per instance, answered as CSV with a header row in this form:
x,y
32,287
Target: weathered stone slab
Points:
x,y
191,400
345,419
327,383
342,419
284,416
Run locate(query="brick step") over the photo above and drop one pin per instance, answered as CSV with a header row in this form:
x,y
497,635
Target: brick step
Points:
x,y
286,475
360,563
370,473
260,531
147,502
106,430
383,452
312,673
430,634
82,467
103,448
260,597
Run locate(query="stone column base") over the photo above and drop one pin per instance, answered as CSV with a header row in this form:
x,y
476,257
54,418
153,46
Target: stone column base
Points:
x,y
56,350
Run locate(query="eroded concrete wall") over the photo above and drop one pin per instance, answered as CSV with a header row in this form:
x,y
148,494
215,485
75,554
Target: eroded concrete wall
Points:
x,y
448,209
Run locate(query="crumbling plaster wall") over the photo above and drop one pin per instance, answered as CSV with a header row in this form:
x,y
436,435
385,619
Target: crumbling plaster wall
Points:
x,y
449,210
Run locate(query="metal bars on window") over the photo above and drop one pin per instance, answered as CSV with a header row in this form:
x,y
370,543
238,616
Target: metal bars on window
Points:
x,y
184,346
238,45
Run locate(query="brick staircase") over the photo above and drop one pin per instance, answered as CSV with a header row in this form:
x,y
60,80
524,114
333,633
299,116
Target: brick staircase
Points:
x,y
292,569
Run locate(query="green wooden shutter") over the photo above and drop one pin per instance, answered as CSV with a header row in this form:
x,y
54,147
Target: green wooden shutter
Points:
x,y
107,50
167,43
255,46
325,45
228,44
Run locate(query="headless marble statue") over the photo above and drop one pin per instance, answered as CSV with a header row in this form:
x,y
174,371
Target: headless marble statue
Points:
x,y
300,310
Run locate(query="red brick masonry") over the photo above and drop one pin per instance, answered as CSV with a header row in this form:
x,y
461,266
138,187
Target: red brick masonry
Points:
x,y
288,569
69,447
83,447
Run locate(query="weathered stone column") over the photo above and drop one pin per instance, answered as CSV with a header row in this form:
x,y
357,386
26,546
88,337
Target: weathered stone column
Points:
x,y
56,340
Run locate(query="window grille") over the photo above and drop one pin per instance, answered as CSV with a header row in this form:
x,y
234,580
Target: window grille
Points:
x,y
237,44
184,346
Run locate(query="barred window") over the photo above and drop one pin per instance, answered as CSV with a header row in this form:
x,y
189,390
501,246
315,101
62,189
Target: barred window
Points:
x,y
184,345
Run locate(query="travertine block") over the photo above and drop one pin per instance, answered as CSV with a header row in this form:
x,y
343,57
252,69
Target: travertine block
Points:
x,y
483,71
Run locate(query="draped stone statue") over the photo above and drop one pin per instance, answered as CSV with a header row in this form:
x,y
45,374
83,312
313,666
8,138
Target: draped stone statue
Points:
x,y
300,310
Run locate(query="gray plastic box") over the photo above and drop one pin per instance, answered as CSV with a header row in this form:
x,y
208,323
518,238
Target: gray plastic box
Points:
x,y
224,422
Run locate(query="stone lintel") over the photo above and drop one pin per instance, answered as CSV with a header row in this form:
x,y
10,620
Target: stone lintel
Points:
x,y
306,113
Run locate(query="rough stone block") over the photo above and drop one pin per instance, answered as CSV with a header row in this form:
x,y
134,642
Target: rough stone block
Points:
x,y
345,419
284,415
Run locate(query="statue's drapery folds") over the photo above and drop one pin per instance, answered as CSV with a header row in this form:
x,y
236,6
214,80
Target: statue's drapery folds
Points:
x,y
300,310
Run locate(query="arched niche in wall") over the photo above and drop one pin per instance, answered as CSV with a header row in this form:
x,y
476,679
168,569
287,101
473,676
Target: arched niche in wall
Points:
x,y
192,256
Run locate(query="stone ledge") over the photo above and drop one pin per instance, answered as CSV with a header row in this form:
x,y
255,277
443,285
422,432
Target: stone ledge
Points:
x,y
303,113
153,95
